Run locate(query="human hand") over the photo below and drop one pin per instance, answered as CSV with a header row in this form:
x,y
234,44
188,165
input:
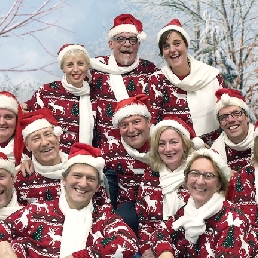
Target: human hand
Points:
x,y
24,107
166,254
6,250
148,254
27,167
232,172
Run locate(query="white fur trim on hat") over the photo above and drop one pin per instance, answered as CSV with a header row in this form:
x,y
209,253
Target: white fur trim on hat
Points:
x,y
130,28
97,163
173,124
35,126
198,143
130,110
226,100
220,162
8,103
8,166
176,28
68,48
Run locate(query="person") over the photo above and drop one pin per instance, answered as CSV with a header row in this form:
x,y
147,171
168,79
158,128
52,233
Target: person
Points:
x,y
208,225
41,137
10,133
54,228
162,190
236,140
8,196
118,76
126,157
185,87
69,98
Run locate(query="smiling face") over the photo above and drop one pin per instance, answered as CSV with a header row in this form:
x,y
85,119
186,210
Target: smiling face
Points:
x,y
135,130
171,148
44,146
81,183
125,54
75,67
7,124
235,128
175,53
6,187
200,189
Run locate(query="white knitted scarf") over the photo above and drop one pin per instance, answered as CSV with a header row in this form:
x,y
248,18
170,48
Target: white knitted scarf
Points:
x,y
76,228
52,172
115,81
143,157
169,183
86,120
222,140
193,219
12,207
201,85
8,150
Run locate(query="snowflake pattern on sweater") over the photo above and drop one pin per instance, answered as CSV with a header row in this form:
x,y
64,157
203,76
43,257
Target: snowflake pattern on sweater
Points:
x,y
149,207
104,99
36,232
65,108
171,100
228,234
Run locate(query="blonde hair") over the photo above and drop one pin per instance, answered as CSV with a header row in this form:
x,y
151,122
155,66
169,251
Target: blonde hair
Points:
x,y
155,161
75,52
221,176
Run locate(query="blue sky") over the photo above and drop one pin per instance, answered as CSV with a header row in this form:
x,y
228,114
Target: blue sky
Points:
x,y
86,19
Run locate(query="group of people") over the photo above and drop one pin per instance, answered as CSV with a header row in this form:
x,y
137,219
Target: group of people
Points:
x,y
122,159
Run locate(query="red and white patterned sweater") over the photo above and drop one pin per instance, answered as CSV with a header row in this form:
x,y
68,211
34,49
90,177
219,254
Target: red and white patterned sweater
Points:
x,y
228,234
149,207
35,231
65,108
103,97
171,100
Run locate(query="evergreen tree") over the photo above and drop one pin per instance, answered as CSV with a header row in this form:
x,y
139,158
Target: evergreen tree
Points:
x,y
37,235
131,86
219,215
229,241
145,63
160,235
109,111
120,169
49,196
239,186
2,236
54,85
106,241
165,96
99,83
75,110
249,170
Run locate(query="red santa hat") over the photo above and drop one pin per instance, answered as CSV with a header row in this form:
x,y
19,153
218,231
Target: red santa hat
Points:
x,y
229,97
82,153
137,105
127,23
181,126
7,164
39,119
9,101
174,25
67,47
215,157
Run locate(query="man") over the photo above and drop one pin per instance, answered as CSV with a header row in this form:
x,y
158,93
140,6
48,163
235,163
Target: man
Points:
x,y
235,142
8,197
41,137
118,76
73,225
126,159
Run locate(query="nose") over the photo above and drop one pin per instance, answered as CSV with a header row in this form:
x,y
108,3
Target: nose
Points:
x,y
200,180
172,48
83,182
76,67
230,118
168,147
2,120
130,128
44,141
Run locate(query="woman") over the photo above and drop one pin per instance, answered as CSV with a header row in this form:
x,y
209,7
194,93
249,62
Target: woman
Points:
x,y
185,87
208,225
69,98
11,143
162,192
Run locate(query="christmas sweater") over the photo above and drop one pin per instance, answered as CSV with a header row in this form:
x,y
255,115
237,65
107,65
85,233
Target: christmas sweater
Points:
x,y
104,99
65,108
171,100
129,170
228,234
244,194
36,231
149,207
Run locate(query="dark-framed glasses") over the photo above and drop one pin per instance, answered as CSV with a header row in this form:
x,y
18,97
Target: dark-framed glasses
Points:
x,y
194,174
121,40
234,114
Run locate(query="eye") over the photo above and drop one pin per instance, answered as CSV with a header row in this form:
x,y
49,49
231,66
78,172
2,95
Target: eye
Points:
x,y
123,125
2,177
136,122
69,64
161,143
81,63
92,179
166,46
76,176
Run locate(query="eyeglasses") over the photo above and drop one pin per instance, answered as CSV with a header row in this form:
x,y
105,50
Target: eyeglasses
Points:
x,y
121,40
234,114
194,174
